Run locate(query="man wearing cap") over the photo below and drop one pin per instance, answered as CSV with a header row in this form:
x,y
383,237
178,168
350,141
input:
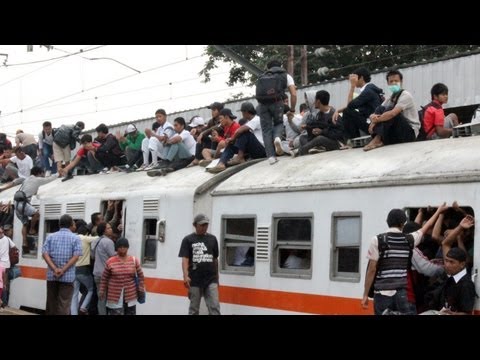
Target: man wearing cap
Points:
x,y
197,124
131,144
199,253
245,140
391,253
203,140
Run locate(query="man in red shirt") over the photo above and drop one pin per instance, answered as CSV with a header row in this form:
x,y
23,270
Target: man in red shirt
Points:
x,y
435,123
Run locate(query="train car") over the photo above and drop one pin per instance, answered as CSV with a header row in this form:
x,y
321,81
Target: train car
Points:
x,y
321,210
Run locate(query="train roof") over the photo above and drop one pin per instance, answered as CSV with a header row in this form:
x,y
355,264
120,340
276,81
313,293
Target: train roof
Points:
x,y
119,183
424,162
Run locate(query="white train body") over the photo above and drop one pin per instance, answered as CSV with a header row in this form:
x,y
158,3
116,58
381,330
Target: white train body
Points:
x,y
343,197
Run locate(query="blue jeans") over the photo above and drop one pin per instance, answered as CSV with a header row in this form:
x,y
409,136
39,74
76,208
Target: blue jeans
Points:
x,y
398,302
47,151
271,120
85,278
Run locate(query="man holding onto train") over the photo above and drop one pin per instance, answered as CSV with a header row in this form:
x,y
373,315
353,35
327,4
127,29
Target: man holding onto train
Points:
x,y
393,259
199,253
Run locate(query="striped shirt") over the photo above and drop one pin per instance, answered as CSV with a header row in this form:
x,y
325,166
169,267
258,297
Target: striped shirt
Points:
x,y
61,247
119,274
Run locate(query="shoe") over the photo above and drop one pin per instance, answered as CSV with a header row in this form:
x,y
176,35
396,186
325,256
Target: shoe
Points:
x,y
272,160
204,162
215,170
48,173
142,168
294,153
68,177
235,161
278,146
157,172
152,166
317,150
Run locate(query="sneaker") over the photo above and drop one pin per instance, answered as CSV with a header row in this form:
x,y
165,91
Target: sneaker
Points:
x,y
235,161
272,160
278,146
143,167
215,170
48,173
317,150
158,172
68,177
205,162
152,166
294,153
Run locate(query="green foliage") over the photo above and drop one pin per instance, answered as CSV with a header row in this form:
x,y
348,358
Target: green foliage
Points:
x,y
340,59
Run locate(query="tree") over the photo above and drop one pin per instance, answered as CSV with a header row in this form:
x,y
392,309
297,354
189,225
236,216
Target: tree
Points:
x,y
339,59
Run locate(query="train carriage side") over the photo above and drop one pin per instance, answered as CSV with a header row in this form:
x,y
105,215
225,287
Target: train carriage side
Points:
x,y
323,211
157,211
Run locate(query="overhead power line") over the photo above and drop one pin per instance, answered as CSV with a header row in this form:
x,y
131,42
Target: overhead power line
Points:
x,y
96,87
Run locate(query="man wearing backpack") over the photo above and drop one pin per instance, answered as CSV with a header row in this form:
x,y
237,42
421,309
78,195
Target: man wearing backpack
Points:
x,y
396,120
45,147
270,87
391,253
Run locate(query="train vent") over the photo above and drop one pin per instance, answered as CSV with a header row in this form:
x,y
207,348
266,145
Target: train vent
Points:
x,y
76,210
36,206
150,206
262,243
53,210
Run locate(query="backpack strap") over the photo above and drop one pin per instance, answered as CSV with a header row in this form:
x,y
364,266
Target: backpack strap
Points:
x,y
411,243
395,97
382,245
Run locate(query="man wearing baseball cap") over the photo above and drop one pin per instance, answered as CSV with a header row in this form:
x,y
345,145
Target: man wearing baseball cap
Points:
x,y
199,253
131,145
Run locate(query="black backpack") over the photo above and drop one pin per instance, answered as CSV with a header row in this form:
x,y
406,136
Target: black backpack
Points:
x,y
20,196
422,134
382,247
271,85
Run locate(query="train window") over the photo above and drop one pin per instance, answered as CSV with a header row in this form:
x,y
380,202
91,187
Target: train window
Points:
x,y
30,250
149,243
238,245
448,221
346,239
113,211
292,247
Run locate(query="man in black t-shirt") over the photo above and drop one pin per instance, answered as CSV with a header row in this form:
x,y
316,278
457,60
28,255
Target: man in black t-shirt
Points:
x,y
199,253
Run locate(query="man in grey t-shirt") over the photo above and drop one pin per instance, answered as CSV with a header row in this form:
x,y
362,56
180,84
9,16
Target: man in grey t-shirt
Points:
x,y
396,120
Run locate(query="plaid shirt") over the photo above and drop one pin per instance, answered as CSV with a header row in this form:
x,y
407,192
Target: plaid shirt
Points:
x,y
61,247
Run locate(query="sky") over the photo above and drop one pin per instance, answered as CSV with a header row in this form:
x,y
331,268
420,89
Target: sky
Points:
x,y
73,88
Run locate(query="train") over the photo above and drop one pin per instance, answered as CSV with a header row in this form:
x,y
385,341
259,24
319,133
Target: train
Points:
x,y
325,207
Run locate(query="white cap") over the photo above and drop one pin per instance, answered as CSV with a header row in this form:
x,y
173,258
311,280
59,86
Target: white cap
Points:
x,y
197,121
130,129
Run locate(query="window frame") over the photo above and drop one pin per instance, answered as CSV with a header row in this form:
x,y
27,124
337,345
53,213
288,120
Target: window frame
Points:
x,y
276,246
150,265
334,253
238,240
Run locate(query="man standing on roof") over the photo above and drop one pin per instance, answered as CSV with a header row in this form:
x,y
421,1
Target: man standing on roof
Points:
x,y
269,90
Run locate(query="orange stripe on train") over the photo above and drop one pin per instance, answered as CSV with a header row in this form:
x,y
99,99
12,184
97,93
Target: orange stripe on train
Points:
x,y
272,299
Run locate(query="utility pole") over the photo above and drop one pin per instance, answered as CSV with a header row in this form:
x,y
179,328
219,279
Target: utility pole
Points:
x,y
304,65
290,54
